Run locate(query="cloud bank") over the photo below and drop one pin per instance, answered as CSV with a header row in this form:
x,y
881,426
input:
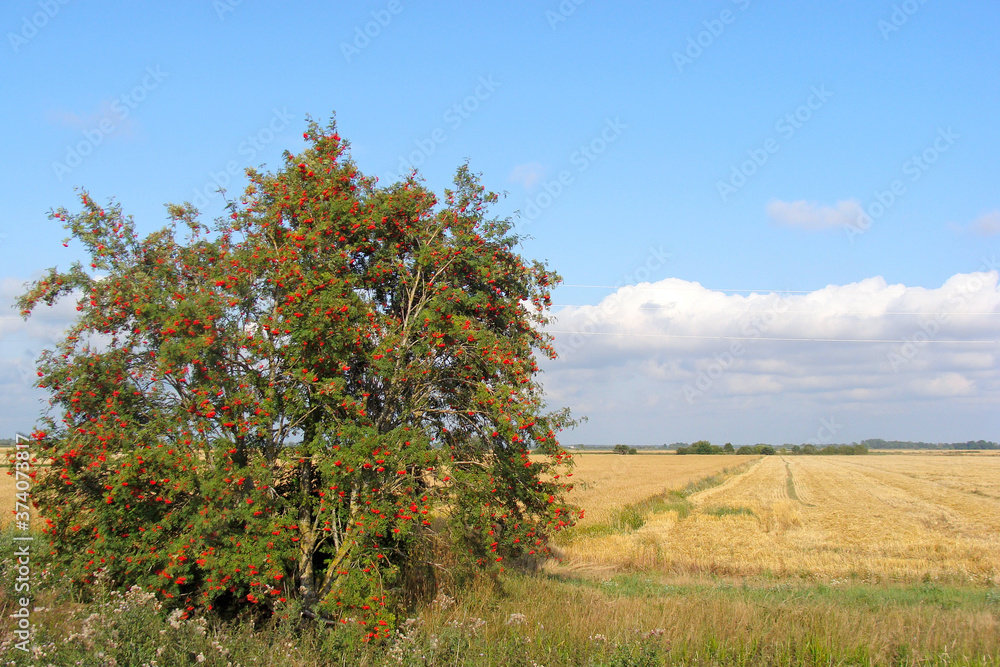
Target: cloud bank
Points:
x,y
668,361
672,360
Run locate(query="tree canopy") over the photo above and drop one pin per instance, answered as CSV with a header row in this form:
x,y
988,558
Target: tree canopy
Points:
x,y
282,407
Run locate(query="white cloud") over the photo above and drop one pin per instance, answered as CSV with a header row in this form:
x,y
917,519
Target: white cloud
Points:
x,y
943,385
672,360
110,113
21,342
527,174
987,224
812,216
677,359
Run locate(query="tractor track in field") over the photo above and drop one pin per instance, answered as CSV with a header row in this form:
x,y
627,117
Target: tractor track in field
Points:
x,y
790,484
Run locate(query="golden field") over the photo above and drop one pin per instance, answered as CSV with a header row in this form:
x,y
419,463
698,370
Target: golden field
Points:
x,y
876,518
8,492
603,482
803,561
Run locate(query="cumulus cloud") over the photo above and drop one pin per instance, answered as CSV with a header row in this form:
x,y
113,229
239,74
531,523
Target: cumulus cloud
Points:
x,y
111,114
987,225
813,216
527,174
21,343
672,360
678,358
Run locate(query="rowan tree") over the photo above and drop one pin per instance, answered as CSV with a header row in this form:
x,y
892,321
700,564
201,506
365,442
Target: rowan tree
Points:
x,y
281,407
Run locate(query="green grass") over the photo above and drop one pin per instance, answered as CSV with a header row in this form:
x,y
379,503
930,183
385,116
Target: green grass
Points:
x,y
725,510
557,620
856,596
548,619
790,483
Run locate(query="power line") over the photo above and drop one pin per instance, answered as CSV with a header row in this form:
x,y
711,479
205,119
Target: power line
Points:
x,y
701,288
769,338
815,312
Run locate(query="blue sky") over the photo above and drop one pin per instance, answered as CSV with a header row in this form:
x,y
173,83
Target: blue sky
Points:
x,y
840,160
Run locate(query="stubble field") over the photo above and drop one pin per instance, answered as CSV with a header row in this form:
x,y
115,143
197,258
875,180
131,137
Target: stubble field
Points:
x,y
8,494
876,518
689,560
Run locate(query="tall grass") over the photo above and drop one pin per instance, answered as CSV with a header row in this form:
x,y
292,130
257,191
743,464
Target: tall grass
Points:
x,y
553,620
565,615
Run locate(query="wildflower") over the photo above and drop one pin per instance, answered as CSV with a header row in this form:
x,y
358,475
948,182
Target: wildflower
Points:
x,y
443,601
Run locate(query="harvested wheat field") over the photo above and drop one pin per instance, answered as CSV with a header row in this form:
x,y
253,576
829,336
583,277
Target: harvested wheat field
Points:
x,y
886,518
604,482
8,495
8,492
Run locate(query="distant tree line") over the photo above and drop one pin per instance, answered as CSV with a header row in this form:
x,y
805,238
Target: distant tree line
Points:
x,y
878,443
705,447
854,448
863,447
